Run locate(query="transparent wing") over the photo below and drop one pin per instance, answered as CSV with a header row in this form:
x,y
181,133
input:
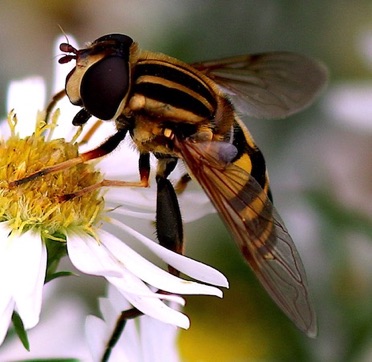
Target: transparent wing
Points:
x,y
257,228
268,85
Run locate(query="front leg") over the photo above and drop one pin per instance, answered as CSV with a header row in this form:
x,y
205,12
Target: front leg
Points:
x,y
104,149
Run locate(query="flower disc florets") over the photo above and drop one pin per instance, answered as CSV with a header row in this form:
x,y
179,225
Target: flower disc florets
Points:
x,y
37,204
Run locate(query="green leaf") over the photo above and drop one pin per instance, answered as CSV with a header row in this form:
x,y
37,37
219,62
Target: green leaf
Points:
x,y
60,274
20,330
51,360
56,250
56,246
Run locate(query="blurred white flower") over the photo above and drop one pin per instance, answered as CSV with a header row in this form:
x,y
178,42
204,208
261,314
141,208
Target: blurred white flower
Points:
x,y
60,332
349,105
143,339
92,228
346,148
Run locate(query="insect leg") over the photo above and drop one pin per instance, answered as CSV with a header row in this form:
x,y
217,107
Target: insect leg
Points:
x,y
105,148
144,168
169,226
56,98
182,183
90,132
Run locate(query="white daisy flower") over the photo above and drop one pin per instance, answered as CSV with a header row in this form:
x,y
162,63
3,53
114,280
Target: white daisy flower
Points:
x,y
143,339
37,227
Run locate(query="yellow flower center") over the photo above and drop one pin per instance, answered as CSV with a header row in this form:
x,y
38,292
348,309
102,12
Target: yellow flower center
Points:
x,y
38,203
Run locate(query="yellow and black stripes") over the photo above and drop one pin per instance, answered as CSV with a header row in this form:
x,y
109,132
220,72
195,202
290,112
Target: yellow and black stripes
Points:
x,y
252,199
249,157
176,89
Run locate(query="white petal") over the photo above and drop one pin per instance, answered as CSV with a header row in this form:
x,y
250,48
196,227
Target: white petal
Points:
x,y
65,128
122,163
184,264
194,205
96,335
157,309
130,342
144,339
117,303
26,97
109,313
150,273
59,333
5,257
6,312
128,283
111,307
136,198
98,331
158,340
141,297
4,129
91,257
28,274
144,215
6,299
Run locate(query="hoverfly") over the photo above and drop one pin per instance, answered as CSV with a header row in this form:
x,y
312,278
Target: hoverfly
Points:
x,y
179,111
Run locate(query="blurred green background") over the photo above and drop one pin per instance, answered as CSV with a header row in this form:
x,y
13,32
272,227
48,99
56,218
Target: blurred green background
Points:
x,y
320,160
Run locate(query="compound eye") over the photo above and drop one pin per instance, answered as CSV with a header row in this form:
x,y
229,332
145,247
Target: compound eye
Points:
x,y
104,86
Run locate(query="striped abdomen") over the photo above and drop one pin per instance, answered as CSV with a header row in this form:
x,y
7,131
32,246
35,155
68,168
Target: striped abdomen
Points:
x,y
249,157
253,199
